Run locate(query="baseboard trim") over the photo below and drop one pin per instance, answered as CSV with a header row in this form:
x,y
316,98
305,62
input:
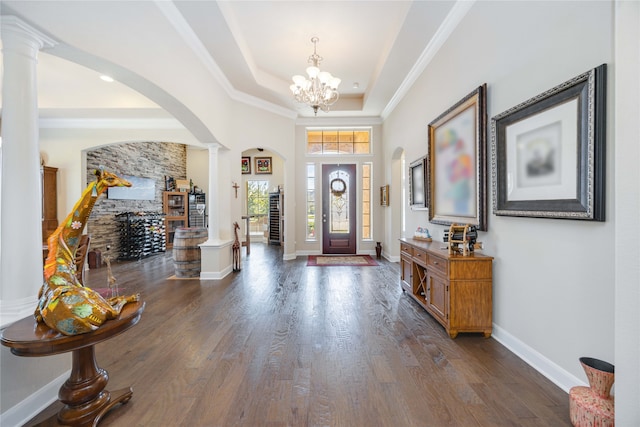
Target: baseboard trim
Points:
x,y
391,258
307,253
34,404
537,361
216,275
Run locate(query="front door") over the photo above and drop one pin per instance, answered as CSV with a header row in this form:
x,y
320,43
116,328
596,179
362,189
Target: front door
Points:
x,y
338,209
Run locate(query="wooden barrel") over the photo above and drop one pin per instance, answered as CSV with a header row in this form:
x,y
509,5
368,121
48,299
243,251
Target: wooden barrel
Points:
x,y
186,252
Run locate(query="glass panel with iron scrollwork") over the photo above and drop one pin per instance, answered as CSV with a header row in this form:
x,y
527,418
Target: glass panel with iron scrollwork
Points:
x,y
339,209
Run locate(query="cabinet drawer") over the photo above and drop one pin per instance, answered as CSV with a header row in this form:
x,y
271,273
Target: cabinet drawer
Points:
x,y
420,256
406,249
438,265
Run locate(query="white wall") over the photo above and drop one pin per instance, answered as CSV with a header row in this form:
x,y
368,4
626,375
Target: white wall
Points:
x,y
627,206
553,286
274,179
198,167
252,128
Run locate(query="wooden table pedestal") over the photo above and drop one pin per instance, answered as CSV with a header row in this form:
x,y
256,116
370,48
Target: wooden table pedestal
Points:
x,y
84,396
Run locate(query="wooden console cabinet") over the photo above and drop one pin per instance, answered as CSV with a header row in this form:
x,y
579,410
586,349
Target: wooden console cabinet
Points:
x,y
49,201
455,289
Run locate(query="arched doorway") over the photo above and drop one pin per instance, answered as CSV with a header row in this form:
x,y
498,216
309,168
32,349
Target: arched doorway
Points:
x,y
262,205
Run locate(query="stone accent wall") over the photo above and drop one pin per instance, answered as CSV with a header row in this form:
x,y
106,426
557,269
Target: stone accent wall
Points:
x,y
141,159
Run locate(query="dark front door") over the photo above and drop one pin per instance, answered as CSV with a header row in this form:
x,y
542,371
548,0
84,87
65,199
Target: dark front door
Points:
x,y
339,209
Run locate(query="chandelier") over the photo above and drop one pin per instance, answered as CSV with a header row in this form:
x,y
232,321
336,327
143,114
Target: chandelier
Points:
x,y
320,90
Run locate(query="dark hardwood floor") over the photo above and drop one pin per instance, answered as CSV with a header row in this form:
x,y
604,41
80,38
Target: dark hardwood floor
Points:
x,y
283,344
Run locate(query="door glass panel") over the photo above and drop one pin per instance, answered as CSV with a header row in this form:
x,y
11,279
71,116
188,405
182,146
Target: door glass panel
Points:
x,y
339,184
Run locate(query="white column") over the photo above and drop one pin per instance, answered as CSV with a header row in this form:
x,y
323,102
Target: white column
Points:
x,y
21,199
214,194
216,254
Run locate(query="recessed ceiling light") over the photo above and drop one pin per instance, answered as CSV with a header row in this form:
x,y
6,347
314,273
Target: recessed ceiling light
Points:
x,y
106,78
356,85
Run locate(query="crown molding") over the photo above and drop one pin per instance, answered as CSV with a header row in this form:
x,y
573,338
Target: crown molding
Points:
x,y
449,24
339,121
63,123
181,26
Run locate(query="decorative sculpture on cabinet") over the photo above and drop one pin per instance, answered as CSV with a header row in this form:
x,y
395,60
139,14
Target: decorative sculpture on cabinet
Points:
x,y
65,305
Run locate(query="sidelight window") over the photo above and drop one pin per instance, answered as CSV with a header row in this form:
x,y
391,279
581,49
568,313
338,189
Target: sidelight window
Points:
x,y
311,202
366,201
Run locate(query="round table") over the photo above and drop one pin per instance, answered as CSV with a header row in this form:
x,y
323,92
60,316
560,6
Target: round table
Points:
x,y
83,394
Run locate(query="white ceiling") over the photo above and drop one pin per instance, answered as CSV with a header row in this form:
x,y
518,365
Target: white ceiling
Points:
x,y
251,48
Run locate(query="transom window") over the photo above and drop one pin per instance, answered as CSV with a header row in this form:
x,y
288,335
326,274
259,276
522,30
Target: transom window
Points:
x,y
338,141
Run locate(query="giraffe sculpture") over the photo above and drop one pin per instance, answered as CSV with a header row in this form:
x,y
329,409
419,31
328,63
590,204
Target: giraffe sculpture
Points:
x,y
236,248
65,305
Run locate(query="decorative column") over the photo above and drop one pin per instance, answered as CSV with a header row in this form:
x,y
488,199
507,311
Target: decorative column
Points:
x,y
21,208
214,193
216,254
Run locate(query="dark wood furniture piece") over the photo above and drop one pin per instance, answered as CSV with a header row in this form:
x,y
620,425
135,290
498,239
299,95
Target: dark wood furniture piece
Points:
x,y
49,201
141,234
176,208
276,218
455,289
84,395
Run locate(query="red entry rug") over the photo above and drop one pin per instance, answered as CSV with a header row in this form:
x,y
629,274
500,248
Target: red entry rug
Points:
x,y
341,260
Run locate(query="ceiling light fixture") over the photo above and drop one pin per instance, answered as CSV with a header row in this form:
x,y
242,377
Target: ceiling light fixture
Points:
x,y
106,78
320,90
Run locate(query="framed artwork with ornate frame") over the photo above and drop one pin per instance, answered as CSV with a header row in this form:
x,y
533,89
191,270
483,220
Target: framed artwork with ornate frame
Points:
x,y
263,165
548,153
418,184
384,195
246,165
456,163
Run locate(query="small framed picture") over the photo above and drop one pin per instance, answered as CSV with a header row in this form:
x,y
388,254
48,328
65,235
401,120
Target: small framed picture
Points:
x,y
263,165
417,184
246,165
384,195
